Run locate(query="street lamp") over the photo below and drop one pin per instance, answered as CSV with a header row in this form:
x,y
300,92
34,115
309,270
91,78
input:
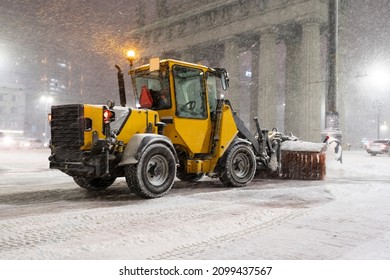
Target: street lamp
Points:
x,y
332,116
378,122
384,128
379,76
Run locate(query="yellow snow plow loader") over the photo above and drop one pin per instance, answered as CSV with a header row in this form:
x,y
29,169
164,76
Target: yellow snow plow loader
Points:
x,y
180,127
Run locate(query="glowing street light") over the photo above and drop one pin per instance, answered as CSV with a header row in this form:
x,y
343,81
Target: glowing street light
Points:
x,y
379,77
46,100
384,126
3,57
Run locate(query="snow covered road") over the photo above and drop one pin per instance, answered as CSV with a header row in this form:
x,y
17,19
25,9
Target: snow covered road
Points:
x,y
45,215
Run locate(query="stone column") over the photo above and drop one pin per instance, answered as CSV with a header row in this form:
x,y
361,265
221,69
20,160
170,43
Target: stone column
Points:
x,y
311,81
254,111
232,65
267,97
293,100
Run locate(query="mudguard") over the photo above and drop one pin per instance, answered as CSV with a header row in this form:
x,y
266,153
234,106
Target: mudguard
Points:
x,y
139,142
236,140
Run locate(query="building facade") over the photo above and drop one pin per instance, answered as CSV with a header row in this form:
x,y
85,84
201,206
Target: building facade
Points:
x,y
12,108
280,46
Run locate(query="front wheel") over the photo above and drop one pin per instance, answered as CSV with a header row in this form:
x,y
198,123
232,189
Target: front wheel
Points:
x,y
239,166
94,183
154,174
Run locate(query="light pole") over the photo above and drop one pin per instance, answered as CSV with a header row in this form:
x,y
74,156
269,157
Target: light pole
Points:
x,y
380,126
332,116
378,134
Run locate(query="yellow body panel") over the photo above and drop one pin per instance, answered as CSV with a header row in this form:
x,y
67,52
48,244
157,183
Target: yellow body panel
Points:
x,y
226,135
190,133
95,113
228,131
139,121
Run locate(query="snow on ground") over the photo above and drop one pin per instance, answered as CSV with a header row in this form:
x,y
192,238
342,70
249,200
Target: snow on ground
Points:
x,y
44,215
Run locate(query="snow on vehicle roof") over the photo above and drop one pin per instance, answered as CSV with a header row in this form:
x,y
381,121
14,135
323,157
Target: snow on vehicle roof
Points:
x,y
381,141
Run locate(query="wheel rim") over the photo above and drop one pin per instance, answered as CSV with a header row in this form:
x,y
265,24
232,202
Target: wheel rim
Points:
x,y
241,166
157,170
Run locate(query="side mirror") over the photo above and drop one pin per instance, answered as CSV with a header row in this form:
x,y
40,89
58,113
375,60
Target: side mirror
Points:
x,y
224,77
225,80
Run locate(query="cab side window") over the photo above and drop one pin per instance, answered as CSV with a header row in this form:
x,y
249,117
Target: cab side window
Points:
x,y
157,87
214,92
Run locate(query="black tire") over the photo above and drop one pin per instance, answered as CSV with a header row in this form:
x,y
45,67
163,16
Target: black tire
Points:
x,y
238,167
154,174
94,184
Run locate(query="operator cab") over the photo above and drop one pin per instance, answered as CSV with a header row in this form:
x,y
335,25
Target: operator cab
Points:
x,y
196,88
185,95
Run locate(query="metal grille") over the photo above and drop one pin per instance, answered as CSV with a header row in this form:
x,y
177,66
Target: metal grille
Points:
x,y
67,130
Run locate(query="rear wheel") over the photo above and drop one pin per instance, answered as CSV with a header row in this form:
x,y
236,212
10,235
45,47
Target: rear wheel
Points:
x,y
94,184
239,166
154,174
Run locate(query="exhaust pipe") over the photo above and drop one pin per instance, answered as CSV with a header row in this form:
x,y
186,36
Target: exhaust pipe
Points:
x,y
121,84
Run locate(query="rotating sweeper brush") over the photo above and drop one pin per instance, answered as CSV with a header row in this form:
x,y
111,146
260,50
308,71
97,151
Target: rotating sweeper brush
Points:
x,y
303,160
282,156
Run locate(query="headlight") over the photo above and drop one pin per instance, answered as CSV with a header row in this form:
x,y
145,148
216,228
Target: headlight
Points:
x,y
8,141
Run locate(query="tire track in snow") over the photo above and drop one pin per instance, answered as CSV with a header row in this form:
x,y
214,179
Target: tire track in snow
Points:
x,y
191,250
30,232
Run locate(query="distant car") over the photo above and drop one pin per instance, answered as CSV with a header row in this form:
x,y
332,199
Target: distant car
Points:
x,y
31,143
380,146
7,142
365,142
